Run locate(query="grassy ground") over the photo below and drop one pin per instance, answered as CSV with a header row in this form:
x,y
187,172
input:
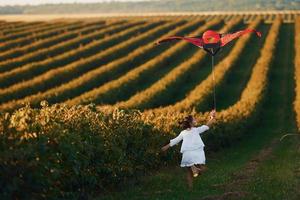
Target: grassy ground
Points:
x,y
258,167
278,176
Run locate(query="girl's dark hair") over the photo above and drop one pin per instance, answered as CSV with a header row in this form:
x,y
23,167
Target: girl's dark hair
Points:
x,y
187,122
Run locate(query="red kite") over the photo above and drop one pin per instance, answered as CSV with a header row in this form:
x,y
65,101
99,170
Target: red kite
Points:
x,y
211,41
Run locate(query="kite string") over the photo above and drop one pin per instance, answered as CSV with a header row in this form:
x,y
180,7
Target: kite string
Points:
x,y
213,77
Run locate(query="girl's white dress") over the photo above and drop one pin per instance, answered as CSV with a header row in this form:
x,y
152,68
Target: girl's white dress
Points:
x,y
192,147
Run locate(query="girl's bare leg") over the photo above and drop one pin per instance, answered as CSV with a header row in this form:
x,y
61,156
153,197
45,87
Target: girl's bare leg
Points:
x,y
189,178
202,167
195,170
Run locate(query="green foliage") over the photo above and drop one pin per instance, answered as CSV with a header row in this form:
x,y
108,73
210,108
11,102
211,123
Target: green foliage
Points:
x,y
64,152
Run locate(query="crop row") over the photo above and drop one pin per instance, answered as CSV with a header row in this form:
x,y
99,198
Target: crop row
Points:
x,y
28,39
19,27
6,26
30,31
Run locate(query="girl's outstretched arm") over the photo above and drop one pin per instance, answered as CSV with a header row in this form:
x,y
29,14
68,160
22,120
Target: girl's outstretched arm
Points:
x,y
173,142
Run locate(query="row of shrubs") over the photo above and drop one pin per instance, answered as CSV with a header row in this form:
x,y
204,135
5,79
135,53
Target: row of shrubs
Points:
x,y
31,29
62,152
13,27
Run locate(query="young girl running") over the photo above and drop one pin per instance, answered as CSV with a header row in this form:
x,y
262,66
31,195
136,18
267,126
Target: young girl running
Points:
x,y
192,147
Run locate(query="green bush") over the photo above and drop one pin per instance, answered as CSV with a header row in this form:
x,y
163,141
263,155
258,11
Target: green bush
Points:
x,y
70,152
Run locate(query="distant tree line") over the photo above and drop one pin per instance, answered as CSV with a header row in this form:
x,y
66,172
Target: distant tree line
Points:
x,y
6,10
155,6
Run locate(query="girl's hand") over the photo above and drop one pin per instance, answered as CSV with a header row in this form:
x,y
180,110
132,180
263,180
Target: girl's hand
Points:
x,y
164,148
212,114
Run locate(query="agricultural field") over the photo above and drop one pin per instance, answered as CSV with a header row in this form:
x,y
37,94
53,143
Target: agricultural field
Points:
x,y
86,105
